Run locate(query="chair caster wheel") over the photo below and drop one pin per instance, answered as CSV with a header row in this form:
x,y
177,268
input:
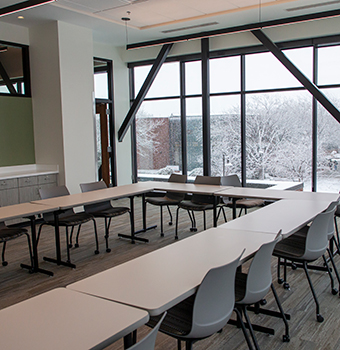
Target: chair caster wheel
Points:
x,y
170,223
286,338
108,250
70,245
286,286
319,318
4,263
76,245
334,291
294,267
162,234
280,281
263,302
96,252
176,238
193,229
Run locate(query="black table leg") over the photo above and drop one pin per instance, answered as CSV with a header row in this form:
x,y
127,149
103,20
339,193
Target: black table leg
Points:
x,y
132,237
234,208
144,229
58,260
215,211
35,268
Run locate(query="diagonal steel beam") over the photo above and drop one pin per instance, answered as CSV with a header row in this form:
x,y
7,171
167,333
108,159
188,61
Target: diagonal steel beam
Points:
x,y
7,80
4,11
312,88
143,91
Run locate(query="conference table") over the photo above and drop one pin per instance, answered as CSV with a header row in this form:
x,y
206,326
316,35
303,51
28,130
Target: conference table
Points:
x,y
64,319
287,215
271,194
159,280
63,203
28,210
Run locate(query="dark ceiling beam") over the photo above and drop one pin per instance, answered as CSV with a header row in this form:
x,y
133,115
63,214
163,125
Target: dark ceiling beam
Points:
x,y
312,88
7,80
238,29
24,5
143,91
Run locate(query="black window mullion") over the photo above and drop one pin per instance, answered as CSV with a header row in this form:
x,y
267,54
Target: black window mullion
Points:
x,y
315,122
206,107
243,123
183,119
133,128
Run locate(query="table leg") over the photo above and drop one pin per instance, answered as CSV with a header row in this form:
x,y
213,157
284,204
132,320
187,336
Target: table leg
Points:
x,y
144,229
132,236
58,260
35,268
215,211
234,208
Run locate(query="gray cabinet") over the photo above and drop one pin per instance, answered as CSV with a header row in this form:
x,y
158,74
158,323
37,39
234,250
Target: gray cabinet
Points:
x,y
24,189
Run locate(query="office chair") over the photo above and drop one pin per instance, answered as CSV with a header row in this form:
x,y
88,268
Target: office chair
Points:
x,y
198,202
170,198
308,245
103,209
205,313
243,203
67,218
252,287
8,234
148,342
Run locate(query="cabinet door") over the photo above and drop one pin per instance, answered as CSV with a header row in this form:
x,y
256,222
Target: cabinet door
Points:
x,y
28,194
47,179
9,197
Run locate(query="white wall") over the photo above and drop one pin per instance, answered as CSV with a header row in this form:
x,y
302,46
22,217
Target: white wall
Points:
x,y
121,107
62,93
14,34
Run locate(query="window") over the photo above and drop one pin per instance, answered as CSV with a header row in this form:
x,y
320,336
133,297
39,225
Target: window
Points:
x,y
14,70
275,108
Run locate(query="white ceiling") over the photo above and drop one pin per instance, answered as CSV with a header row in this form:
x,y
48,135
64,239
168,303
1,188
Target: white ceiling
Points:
x,y
158,19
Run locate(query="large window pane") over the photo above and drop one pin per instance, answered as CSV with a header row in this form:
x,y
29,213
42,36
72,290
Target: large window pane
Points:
x,y
166,82
328,65
193,78
225,135
194,136
158,138
265,71
225,74
279,137
302,59
328,170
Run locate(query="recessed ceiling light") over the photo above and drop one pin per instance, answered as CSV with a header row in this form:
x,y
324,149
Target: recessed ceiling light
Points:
x,y
21,17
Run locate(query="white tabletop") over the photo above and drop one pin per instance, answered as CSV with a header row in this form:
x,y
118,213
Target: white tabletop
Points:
x,y
161,279
248,192
187,187
64,319
288,215
24,210
92,197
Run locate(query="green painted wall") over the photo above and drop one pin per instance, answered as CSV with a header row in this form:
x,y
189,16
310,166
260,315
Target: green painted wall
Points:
x,y
16,131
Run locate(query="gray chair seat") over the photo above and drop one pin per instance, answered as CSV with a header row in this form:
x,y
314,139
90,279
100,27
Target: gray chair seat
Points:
x,y
7,234
292,247
111,212
178,319
247,203
189,205
72,219
162,201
